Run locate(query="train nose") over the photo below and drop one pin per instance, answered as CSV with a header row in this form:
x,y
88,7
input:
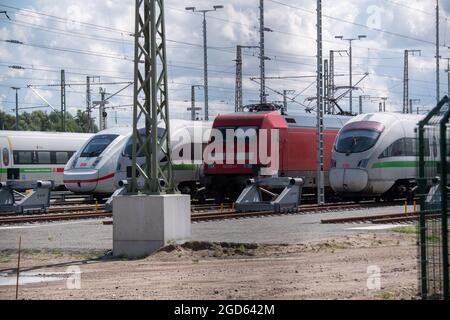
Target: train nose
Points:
x,y
348,180
81,180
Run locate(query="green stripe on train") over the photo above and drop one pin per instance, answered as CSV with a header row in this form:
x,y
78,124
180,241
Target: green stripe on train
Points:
x,y
395,164
29,170
184,167
402,164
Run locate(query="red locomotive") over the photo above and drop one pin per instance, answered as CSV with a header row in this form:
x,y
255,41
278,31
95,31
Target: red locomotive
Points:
x,y
290,138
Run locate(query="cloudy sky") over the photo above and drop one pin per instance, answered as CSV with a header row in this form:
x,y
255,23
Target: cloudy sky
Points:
x,y
93,38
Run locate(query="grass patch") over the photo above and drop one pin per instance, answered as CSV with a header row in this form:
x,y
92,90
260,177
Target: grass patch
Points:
x,y
386,295
405,230
11,254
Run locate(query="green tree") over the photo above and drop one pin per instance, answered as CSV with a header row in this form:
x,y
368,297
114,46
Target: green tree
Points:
x,y
43,121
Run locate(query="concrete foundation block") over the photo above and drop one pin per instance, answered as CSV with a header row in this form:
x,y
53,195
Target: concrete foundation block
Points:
x,y
143,224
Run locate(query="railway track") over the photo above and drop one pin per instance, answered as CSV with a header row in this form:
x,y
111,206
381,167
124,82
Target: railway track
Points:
x,y
379,219
200,213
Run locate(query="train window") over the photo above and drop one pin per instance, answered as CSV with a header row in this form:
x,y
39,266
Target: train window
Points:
x,y
405,147
43,157
97,145
62,157
5,156
23,157
357,140
128,151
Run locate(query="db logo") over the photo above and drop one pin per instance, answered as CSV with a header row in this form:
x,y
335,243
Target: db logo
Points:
x,y
346,166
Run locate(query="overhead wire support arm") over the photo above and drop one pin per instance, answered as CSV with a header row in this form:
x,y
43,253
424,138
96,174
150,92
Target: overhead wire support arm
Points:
x,y
279,93
41,97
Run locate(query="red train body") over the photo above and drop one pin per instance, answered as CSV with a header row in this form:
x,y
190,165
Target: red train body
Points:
x,y
296,143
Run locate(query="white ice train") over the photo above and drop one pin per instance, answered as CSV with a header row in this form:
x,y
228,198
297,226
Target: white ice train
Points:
x,y
375,156
31,155
105,159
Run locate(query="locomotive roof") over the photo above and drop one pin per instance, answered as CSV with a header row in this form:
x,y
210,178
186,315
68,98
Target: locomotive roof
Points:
x,y
298,120
387,117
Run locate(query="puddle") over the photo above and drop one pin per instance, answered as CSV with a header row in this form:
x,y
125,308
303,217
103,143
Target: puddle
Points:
x,y
32,278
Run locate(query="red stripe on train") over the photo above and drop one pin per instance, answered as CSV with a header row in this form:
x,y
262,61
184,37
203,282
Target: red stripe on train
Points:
x,y
109,176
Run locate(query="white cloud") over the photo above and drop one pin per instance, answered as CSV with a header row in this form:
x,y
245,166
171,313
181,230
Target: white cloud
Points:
x,y
291,47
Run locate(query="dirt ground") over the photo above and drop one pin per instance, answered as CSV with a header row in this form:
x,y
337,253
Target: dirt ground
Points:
x,y
332,269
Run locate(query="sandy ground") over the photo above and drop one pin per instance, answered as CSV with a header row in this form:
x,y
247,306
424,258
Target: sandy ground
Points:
x,y
327,269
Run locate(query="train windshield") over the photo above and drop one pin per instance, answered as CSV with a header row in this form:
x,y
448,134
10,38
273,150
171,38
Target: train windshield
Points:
x,y
357,140
97,145
128,151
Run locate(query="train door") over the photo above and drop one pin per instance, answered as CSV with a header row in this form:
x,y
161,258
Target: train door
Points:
x,y
5,163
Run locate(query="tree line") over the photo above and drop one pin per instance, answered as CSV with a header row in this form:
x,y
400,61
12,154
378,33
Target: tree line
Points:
x,y
44,121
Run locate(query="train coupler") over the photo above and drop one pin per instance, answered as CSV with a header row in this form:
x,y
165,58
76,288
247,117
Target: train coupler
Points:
x,y
251,198
36,199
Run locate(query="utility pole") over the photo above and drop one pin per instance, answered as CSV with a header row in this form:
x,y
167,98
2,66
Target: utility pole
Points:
x,y
320,143
438,91
331,84
285,99
102,113
151,103
239,103
262,57
361,98
205,54
406,78
350,40
101,107
238,100
17,107
411,101
63,101
193,109
89,101
326,93
384,103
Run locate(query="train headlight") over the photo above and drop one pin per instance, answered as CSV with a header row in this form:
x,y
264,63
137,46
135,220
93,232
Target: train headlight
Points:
x,y
96,162
211,166
363,163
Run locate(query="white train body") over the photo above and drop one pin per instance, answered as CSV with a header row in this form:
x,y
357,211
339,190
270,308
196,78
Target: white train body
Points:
x,y
105,159
31,155
375,155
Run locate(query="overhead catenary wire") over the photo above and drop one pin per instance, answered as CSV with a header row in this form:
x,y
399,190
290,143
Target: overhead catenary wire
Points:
x,y
223,49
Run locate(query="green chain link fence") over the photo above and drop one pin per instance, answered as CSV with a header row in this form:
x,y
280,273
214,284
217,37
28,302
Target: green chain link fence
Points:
x,y
433,166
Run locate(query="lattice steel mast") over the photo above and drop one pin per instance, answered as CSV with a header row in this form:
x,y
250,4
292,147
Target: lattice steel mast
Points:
x,y
151,101
320,145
